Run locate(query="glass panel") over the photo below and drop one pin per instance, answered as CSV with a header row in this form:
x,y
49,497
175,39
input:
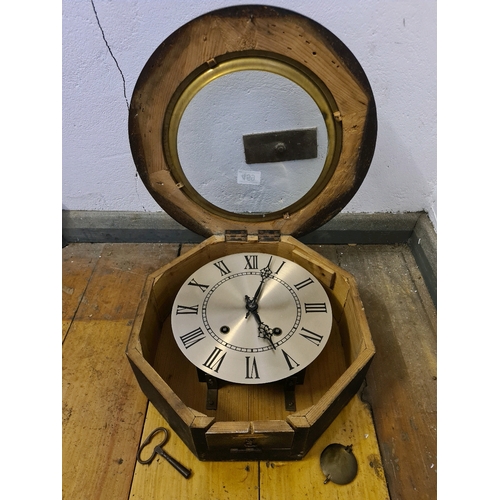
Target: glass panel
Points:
x,y
210,141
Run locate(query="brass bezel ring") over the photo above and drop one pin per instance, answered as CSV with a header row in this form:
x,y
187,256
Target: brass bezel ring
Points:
x,y
244,61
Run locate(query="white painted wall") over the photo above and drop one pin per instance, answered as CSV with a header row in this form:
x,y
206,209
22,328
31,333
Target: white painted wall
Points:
x,y
394,40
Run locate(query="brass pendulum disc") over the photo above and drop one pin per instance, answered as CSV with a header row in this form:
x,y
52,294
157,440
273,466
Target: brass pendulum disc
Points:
x,y
338,464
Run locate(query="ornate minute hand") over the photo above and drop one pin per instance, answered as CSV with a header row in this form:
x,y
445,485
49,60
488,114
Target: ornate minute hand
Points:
x,y
264,274
251,303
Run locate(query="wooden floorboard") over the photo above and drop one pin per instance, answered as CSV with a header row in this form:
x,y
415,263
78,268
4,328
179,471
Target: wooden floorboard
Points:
x,y
79,262
267,480
103,408
105,415
401,382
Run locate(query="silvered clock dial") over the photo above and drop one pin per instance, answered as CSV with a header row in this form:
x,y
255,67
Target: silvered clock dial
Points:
x,y
251,318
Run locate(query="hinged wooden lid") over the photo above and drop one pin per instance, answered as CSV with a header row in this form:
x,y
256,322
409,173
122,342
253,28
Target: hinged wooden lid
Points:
x,y
281,59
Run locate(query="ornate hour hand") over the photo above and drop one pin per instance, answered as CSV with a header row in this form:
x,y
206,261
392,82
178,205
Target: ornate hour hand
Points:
x,y
265,332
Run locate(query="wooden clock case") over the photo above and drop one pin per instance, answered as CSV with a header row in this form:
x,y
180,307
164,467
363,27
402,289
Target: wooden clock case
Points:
x,y
251,422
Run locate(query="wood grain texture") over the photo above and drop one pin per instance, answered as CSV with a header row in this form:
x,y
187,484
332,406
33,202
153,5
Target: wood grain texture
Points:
x,y
401,382
171,383
209,480
274,480
78,263
240,402
102,403
212,39
304,479
103,412
103,408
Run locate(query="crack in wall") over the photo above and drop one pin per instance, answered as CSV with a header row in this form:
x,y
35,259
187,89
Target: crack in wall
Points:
x,y
112,55
124,88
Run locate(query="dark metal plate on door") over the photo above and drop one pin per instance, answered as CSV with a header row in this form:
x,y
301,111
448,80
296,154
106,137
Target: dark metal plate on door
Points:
x,y
287,145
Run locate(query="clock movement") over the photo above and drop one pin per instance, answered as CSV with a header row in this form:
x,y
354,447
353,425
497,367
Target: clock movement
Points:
x,y
251,126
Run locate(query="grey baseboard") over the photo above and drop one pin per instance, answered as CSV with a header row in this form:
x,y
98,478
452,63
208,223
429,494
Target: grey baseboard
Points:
x,y
158,227
123,227
414,229
364,229
423,244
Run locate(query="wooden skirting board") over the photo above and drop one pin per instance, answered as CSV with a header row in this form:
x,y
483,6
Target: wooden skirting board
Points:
x,y
413,228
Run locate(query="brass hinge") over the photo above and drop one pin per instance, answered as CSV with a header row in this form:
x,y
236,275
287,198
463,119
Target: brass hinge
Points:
x,y
236,235
264,235
269,235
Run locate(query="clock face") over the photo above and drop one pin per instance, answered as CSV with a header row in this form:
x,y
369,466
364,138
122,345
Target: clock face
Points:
x,y
251,318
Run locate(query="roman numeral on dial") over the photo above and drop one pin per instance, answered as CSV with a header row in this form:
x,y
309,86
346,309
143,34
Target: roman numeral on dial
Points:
x,y
251,368
251,262
313,337
315,307
279,268
290,361
191,338
193,282
215,359
187,309
221,266
304,283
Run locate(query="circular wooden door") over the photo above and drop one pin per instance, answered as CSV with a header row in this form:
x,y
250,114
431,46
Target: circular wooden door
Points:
x,y
253,118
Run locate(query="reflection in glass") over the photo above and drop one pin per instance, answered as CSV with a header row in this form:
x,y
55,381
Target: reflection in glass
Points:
x,y
210,141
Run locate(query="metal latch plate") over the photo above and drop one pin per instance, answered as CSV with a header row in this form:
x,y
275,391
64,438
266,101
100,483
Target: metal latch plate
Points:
x,y
287,145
